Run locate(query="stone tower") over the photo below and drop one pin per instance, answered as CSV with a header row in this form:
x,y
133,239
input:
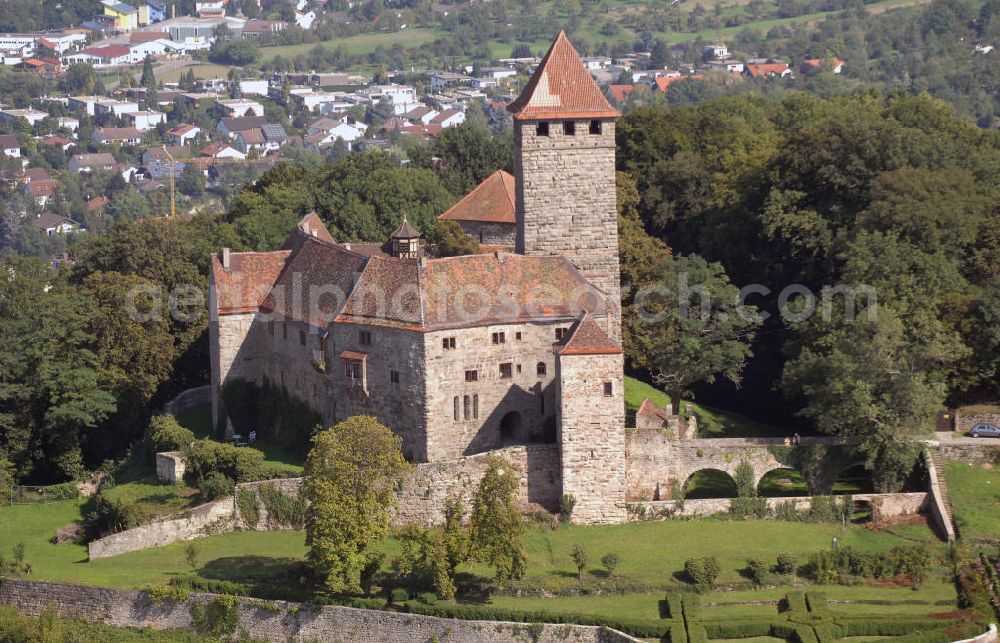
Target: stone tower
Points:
x,y
564,140
590,425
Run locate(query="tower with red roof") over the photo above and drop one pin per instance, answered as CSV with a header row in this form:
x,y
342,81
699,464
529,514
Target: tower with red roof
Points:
x,y
564,139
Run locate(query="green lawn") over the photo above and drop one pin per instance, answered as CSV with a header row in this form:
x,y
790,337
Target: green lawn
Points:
x,y
975,500
712,422
360,44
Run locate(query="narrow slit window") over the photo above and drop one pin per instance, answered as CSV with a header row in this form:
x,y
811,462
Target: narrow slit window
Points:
x,y
457,412
609,389
467,401
540,369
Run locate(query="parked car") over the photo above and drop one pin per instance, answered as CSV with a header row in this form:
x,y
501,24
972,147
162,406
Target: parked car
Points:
x,y
985,431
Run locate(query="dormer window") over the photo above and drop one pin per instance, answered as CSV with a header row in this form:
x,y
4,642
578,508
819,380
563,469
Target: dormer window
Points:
x,y
595,127
542,129
569,128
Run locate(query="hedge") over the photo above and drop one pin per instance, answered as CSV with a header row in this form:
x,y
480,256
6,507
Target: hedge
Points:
x,y
738,629
696,633
692,609
795,602
887,626
674,606
676,633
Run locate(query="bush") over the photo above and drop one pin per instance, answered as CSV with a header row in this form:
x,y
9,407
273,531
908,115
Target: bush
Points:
x,y
785,510
692,607
566,504
219,617
579,556
165,434
757,570
674,609
241,464
109,516
610,562
787,564
399,596
748,508
215,485
702,572
163,592
275,414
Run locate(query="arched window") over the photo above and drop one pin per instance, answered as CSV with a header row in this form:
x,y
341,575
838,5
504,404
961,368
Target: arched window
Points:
x,y
456,409
468,407
540,369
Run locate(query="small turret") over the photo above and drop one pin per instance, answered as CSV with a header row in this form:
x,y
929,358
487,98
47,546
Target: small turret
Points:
x,y
405,241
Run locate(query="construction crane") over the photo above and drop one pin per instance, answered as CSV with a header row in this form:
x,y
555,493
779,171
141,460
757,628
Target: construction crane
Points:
x,y
173,200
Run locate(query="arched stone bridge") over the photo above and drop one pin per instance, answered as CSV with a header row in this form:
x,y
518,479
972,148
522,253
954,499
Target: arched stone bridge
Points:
x,y
655,459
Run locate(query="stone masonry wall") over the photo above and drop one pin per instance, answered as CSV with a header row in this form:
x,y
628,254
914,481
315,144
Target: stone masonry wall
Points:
x,y
280,620
566,202
965,420
230,353
985,452
591,429
490,234
215,516
187,399
884,505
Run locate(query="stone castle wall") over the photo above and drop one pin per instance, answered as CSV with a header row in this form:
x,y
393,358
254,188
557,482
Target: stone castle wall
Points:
x,y
884,505
591,431
187,399
985,452
566,202
281,620
230,352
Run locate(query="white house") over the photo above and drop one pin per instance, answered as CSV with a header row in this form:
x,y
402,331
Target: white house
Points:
x,y
53,224
106,56
252,87
183,134
68,123
145,120
115,107
305,20
220,150
30,115
10,146
239,107
449,118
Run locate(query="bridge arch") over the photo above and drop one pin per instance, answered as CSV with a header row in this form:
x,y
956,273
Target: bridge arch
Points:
x,y
782,482
709,483
853,478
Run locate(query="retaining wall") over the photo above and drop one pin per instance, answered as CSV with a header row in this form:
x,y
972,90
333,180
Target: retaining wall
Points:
x,y
188,399
283,621
884,505
984,452
214,516
966,419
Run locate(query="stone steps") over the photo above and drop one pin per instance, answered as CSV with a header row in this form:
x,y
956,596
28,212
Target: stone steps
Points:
x,y
942,484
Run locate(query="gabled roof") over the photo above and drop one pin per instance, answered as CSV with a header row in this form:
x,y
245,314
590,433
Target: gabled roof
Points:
x,y
108,51
51,220
99,158
492,201
246,283
652,411
9,142
182,129
621,92
118,133
46,187
586,337
561,87
765,69
252,137
274,132
445,115
663,82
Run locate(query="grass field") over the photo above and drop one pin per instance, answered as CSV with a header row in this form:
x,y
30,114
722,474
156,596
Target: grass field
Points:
x,y
975,500
712,422
359,44
201,71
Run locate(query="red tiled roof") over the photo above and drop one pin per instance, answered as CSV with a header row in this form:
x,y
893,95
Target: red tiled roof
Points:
x,y
56,140
182,129
36,174
349,354
587,338
312,226
562,87
765,69
652,411
212,149
118,133
97,203
445,115
252,137
663,82
108,51
42,188
492,201
50,220
814,64
139,37
621,92
246,283
424,130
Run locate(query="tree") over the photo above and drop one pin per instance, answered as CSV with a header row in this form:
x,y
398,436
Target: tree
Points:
x,y
610,563
191,180
579,556
148,81
351,475
521,50
469,154
695,328
447,239
495,525
251,9
191,555
866,382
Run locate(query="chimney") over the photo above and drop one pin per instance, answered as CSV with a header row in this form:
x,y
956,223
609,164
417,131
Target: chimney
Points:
x,y
225,258
347,246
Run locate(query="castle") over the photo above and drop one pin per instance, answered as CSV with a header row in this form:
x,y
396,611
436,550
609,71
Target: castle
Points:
x,y
462,355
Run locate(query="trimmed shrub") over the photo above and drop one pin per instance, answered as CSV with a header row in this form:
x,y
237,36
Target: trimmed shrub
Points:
x,y
795,602
785,510
697,633
674,609
202,457
215,485
692,608
566,504
787,564
737,629
702,572
164,433
108,516
399,596
757,569
748,508
676,633
610,562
